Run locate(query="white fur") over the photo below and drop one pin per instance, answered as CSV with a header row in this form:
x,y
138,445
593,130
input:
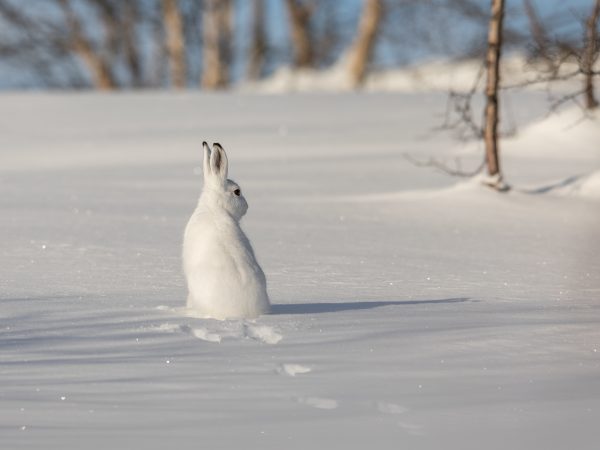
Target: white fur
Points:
x,y
223,277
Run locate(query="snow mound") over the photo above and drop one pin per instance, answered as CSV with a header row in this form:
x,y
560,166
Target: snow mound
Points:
x,y
467,187
587,186
436,75
565,134
287,79
478,186
583,186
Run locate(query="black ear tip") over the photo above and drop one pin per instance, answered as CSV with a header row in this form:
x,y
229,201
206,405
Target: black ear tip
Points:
x,y
216,144
204,144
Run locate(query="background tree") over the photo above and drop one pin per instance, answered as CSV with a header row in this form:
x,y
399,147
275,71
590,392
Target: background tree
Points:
x,y
302,43
493,56
258,46
216,47
64,43
132,54
362,48
175,42
558,54
98,64
112,44
459,115
590,56
99,60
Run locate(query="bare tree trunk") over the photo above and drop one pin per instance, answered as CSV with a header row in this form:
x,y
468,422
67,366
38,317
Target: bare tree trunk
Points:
x,y
175,42
158,58
132,56
256,57
110,20
491,92
300,15
216,46
326,44
362,49
590,55
102,75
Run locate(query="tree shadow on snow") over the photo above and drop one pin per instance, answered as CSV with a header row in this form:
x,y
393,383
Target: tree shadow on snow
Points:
x,y
554,186
320,308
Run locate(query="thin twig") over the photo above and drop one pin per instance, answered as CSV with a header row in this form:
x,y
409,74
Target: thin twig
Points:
x,y
437,164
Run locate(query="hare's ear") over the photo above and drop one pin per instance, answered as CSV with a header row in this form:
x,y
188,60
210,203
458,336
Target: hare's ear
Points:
x,y
206,165
218,162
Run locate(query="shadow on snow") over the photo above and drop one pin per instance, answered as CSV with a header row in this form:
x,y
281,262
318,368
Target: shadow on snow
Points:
x,y
319,308
554,186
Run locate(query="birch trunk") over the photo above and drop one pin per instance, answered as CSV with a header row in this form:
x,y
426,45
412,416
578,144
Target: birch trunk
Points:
x,y
491,92
216,46
362,49
590,55
175,42
132,56
256,56
299,15
101,73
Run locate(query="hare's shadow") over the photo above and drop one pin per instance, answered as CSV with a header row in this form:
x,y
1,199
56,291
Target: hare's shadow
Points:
x,y
328,307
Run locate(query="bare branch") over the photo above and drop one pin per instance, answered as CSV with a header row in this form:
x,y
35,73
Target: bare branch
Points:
x,y
81,45
132,55
459,114
437,164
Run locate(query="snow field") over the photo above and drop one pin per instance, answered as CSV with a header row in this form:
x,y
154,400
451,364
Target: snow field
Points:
x,y
410,308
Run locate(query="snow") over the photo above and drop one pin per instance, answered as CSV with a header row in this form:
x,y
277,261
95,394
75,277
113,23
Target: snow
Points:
x,y
584,186
566,135
410,309
293,369
435,75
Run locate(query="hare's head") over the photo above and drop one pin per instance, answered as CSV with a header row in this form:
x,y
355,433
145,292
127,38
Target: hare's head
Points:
x,y
219,191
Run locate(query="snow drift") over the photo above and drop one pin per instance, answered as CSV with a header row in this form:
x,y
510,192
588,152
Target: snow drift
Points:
x,y
455,321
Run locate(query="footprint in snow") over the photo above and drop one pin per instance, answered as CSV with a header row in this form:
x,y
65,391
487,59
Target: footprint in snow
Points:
x,y
202,333
262,333
411,428
167,327
319,402
292,369
393,409
390,408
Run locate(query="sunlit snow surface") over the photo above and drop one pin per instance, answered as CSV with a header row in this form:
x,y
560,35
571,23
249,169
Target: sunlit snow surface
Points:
x,y
411,309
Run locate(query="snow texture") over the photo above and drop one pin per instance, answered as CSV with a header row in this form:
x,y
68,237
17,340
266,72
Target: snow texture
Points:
x,y
432,313
293,369
435,75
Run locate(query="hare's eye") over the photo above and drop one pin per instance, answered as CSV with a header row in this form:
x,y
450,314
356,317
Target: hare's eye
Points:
x,y
237,192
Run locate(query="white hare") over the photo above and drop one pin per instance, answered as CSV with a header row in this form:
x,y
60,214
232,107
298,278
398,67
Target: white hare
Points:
x,y
223,277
